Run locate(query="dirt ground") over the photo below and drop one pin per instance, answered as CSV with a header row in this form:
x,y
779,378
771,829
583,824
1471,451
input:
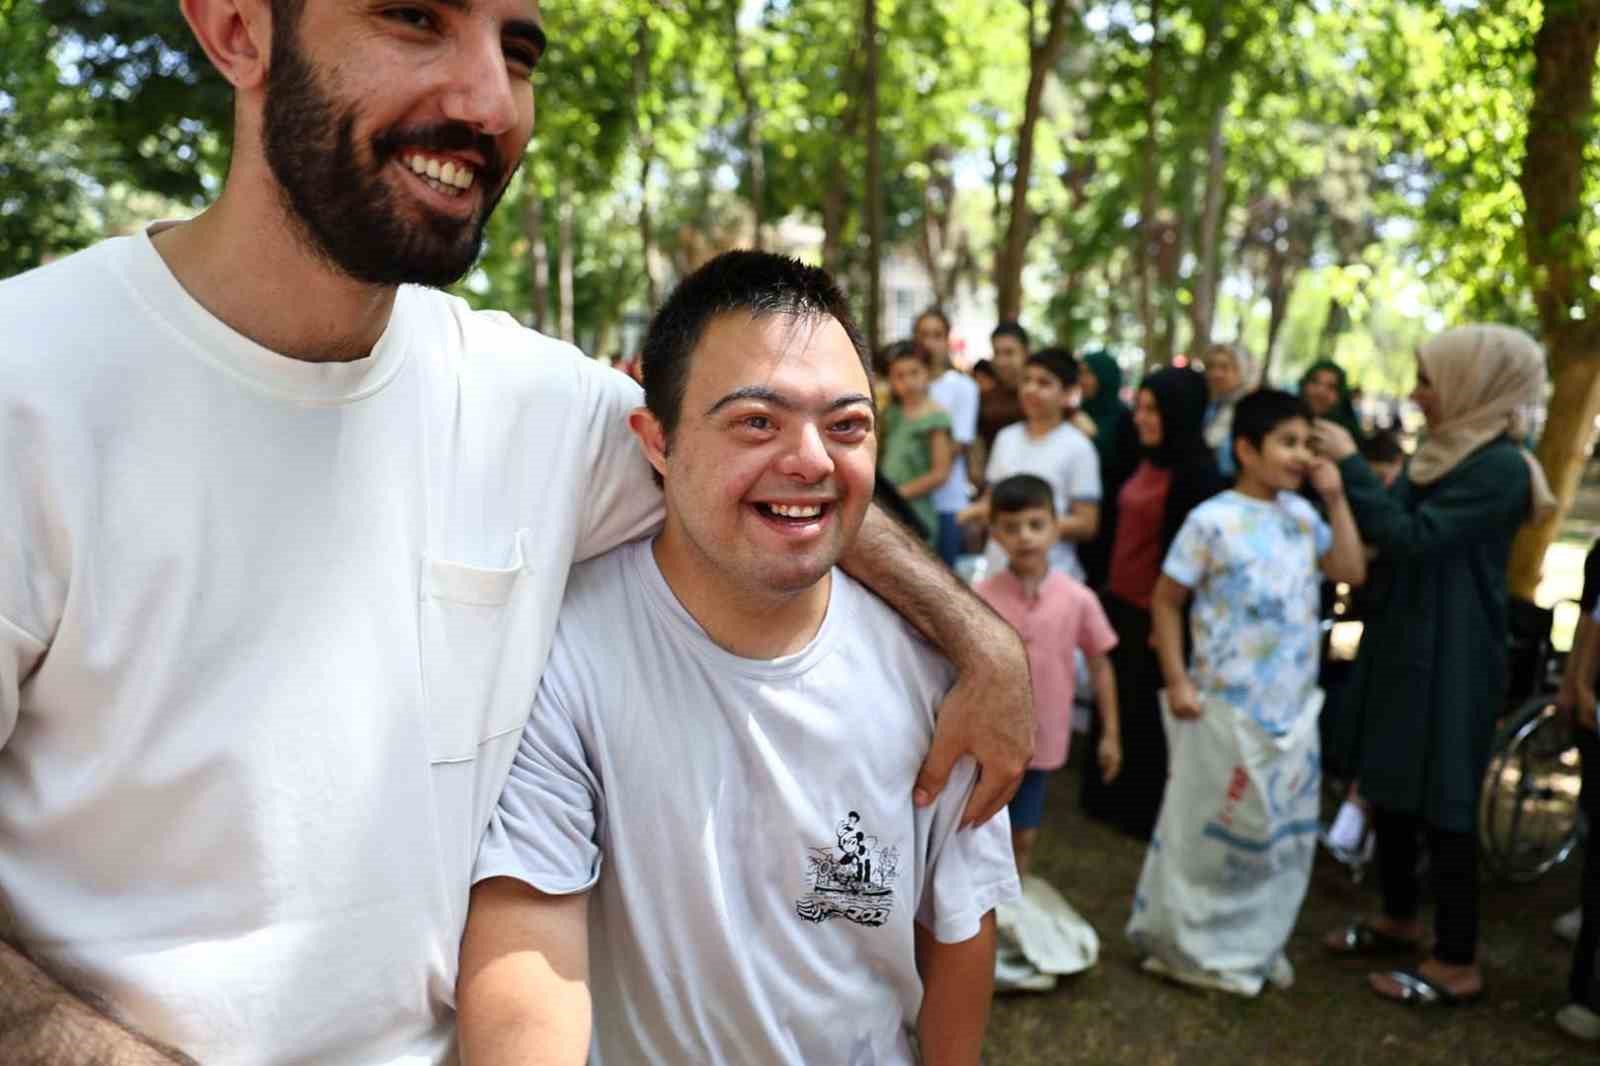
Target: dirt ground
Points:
x,y
1116,1014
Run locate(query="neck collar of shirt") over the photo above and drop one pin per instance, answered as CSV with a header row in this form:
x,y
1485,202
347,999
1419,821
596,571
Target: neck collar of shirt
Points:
x,y
214,341
665,602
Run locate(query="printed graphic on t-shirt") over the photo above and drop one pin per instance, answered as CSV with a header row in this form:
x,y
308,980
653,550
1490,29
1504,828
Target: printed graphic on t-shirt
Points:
x,y
852,879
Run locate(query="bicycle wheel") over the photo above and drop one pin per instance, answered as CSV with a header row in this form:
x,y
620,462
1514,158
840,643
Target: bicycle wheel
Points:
x,y
1528,816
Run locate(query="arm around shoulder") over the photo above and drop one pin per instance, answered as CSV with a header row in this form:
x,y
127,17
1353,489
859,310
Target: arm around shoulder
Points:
x,y
989,711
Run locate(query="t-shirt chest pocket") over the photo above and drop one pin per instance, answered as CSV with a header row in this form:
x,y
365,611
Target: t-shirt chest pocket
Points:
x,y
482,634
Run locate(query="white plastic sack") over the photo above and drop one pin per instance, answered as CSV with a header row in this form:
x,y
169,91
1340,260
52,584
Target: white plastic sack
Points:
x,y
1231,857
1041,938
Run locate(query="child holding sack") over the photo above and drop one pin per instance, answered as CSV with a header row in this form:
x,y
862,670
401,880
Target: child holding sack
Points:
x,y
1231,858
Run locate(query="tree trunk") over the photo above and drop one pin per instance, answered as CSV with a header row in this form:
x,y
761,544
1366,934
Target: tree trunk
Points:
x,y
1042,57
1204,305
1559,125
834,204
874,190
564,256
1148,199
755,160
645,136
1563,451
538,251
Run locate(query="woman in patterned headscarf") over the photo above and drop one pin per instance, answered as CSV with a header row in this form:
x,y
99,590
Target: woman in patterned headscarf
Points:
x,y
1430,678
1230,374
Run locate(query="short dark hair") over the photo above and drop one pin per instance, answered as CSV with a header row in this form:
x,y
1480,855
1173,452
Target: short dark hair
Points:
x,y
759,283
1382,447
1011,328
1022,492
1058,362
1263,411
933,312
901,350
986,368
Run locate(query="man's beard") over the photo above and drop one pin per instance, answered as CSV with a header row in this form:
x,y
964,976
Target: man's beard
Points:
x,y
349,215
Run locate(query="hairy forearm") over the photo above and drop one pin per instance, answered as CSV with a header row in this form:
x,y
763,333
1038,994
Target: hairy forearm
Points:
x,y
42,1023
957,986
903,573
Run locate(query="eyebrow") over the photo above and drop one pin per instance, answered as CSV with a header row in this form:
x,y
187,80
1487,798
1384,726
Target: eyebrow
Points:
x,y
527,30
782,402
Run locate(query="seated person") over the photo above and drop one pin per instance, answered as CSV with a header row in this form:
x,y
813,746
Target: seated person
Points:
x,y
707,850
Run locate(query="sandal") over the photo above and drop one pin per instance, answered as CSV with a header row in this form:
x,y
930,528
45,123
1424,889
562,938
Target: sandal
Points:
x,y
1417,991
1361,939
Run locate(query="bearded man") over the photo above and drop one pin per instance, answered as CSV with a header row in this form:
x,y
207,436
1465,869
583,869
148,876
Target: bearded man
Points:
x,y
283,536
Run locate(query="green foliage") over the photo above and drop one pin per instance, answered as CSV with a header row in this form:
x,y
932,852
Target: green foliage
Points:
x,y
1369,189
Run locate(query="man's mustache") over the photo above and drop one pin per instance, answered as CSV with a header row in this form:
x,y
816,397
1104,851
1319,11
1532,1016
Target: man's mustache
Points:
x,y
447,137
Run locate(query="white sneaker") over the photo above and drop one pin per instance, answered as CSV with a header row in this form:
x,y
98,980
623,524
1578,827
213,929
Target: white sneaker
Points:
x,y
1568,925
1577,1020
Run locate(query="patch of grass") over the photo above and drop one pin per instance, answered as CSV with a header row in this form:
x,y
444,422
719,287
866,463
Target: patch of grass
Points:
x,y
1116,1014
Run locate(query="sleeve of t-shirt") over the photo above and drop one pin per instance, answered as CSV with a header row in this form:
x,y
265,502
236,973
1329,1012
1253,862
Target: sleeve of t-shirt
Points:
x,y
1096,637
1191,552
1083,480
964,412
32,552
544,831
622,500
969,872
999,457
1311,518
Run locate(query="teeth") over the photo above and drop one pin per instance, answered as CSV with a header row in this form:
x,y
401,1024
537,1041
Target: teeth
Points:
x,y
806,511
449,175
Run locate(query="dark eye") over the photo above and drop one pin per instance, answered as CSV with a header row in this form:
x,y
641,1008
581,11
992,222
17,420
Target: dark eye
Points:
x,y
758,422
417,17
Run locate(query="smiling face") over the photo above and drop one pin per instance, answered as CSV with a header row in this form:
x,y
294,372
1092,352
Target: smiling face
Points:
x,y
393,130
770,469
1284,457
1147,419
1321,392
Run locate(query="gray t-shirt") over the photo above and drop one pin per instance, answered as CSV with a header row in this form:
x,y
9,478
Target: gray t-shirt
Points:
x,y
763,861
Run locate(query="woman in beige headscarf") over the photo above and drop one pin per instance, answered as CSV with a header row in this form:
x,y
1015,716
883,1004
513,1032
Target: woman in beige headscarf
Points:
x,y
1230,374
1430,678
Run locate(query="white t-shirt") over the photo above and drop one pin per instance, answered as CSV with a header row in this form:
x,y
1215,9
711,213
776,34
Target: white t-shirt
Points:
x,y
1066,459
762,860
269,631
957,394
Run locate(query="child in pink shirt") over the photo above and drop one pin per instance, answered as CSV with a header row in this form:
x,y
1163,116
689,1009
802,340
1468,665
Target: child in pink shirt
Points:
x,y
1057,617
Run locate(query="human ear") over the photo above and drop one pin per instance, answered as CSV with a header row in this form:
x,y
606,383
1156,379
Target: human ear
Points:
x,y
652,439
236,36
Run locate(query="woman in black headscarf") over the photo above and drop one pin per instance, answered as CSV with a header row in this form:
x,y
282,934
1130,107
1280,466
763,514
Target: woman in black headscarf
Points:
x,y
1325,388
1176,473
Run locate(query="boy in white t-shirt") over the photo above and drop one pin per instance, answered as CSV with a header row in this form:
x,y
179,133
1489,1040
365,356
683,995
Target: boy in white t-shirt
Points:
x,y
1047,446
708,843
1253,558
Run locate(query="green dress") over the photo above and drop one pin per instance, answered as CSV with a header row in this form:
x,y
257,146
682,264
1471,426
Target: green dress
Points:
x,y
908,454
1430,678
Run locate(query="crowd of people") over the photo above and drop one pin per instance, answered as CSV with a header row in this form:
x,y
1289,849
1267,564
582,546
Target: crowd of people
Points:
x,y
1197,531
382,682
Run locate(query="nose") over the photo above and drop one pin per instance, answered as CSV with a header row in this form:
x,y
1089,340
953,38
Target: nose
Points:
x,y
482,93
807,460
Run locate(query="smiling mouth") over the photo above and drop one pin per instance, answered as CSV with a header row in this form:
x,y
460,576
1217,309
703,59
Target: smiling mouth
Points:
x,y
448,177
797,514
